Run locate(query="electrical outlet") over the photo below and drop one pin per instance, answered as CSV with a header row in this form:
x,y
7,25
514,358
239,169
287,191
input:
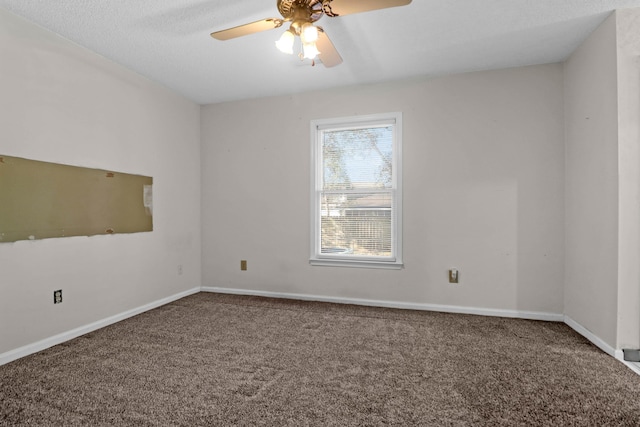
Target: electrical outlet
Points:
x,y
57,296
454,275
243,265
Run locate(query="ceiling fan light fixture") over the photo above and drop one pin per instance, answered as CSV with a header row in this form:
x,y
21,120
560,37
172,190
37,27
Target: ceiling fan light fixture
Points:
x,y
285,43
309,33
310,50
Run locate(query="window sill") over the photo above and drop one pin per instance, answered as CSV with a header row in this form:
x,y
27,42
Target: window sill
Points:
x,y
357,264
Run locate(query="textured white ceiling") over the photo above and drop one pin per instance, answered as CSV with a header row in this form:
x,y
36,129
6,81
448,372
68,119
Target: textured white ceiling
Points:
x,y
168,40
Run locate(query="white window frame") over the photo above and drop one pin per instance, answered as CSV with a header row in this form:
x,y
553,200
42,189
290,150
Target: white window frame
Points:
x,y
346,260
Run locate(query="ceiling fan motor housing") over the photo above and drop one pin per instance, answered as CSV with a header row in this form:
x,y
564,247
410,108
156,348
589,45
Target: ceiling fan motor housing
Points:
x,y
300,11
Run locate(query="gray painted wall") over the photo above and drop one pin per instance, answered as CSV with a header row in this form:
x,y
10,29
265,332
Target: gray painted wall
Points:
x,y
483,191
628,39
61,103
602,106
591,121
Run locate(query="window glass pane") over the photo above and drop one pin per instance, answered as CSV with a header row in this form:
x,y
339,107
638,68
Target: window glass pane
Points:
x,y
356,224
356,186
357,158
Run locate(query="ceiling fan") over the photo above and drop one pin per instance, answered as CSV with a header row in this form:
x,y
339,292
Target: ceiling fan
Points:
x,y
302,14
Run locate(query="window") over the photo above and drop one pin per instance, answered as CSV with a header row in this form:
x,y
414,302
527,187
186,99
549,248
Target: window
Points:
x,y
356,191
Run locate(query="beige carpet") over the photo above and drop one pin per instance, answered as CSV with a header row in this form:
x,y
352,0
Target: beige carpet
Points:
x,y
212,359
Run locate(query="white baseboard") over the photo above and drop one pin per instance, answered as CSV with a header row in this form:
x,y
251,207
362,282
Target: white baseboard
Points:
x,y
634,366
74,333
593,338
531,315
598,342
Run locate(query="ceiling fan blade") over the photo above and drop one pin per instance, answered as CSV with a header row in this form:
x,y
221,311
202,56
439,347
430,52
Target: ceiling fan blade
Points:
x,y
328,53
244,30
347,7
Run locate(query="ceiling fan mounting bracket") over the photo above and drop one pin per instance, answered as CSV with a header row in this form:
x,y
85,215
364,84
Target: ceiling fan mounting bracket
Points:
x,y
277,23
